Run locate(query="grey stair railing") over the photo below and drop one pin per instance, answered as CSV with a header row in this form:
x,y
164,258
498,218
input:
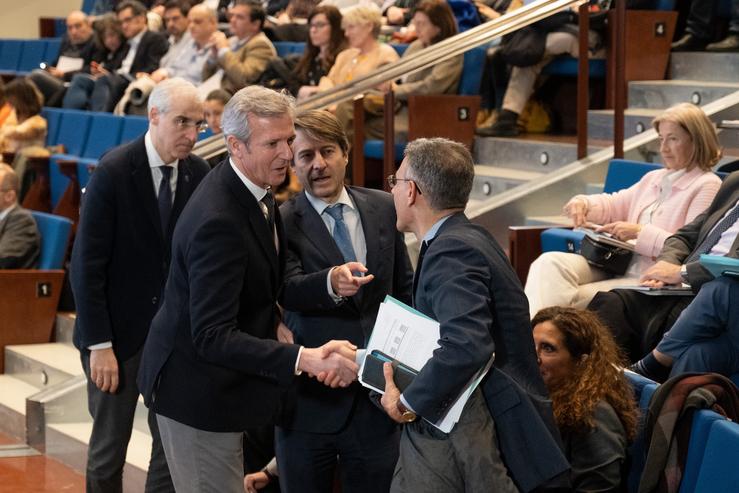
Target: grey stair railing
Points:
x,y
439,52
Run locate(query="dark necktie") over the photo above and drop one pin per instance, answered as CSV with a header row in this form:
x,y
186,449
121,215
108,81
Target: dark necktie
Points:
x,y
165,198
269,203
341,233
714,236
417,273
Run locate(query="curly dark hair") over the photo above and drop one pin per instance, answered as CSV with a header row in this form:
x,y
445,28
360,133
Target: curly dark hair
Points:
x,y
598,375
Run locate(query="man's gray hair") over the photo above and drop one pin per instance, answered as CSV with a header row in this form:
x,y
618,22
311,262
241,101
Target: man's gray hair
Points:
x,y
443,170
162,95
257,101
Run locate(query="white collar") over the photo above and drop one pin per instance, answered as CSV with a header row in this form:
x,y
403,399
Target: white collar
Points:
x,y
321,205
155,161
257,191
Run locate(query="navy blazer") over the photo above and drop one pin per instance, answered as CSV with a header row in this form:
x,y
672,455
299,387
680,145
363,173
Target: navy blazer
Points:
x,y
212,360
467,284
312,314
121,255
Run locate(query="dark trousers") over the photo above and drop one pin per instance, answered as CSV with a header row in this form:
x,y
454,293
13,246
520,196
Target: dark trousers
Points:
x,y
636,320
51,87
113,416
700,20
107,92
365,454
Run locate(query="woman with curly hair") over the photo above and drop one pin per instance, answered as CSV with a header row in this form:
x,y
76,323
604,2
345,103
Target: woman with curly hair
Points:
x,y
593,402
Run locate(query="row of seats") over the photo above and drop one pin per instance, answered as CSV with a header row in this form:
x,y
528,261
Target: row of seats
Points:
x,y
18,57
713,448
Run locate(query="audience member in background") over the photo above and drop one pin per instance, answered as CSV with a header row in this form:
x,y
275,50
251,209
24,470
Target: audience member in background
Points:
x,y
185,59
699,31
593,403
7,115
290,24
119,267
365,53
214,104
30,127
300,74
646,213
705,338
20,242
398,12
637,320
344,257
244,56
111,50
144,51
77,43
434,22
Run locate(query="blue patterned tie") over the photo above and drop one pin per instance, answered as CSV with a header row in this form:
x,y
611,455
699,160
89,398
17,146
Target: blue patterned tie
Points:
x,y
165,198
715,235
341,232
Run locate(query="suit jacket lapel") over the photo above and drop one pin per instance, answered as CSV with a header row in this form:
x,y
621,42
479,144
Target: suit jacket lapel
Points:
x,y
315,231
264,236
141,174
373,229
182,193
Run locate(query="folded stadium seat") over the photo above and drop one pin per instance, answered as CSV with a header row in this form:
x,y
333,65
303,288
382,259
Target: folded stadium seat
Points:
x,y
74,126
699,432
10,55
53,117
32,54
643,391
30,297
719,472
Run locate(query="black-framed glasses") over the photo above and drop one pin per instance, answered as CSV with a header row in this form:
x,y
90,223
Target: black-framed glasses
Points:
x,y
393,180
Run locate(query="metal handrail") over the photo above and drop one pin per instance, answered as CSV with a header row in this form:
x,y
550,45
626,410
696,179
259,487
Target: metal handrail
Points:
x,y
439,52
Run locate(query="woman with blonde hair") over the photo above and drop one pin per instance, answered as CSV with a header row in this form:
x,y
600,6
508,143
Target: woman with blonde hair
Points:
x,y
593,402
644,214
361,26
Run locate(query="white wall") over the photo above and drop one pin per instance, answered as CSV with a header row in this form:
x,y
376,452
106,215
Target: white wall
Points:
x,y
19,18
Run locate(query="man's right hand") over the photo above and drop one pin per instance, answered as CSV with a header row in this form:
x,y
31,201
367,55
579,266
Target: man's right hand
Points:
x,y
345,283
104,369
333,363
218,40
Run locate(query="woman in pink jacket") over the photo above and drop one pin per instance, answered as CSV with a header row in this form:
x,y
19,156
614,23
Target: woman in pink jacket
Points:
x,y
645,214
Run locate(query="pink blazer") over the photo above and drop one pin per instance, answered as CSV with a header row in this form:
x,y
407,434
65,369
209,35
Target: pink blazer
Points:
x,y
691,194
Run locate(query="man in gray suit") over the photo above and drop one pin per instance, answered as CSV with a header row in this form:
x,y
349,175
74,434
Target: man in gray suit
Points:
x,y
20,243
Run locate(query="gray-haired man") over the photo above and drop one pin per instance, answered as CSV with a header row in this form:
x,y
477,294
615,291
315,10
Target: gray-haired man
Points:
x,y
212,365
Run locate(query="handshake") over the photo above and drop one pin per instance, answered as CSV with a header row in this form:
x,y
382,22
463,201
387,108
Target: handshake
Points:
x,y
332,364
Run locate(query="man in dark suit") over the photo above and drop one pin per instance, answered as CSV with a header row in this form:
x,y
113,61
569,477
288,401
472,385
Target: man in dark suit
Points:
x,y
145,49
120,262
324,300
212,366
638,320
20,243
506,439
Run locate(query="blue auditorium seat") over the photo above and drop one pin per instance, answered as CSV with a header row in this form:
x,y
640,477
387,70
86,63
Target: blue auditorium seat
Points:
x,y
10,55
643,391
53,45
74,126
719,472
32,54
105,133
53,117
133,127
285,48
699,432
54,232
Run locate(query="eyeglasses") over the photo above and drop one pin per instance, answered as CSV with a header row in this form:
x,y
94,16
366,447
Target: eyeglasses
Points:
x,y
393,180
183,123
318,25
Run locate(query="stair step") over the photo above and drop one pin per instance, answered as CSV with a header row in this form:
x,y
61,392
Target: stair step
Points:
x,y
41,365
492,180
705,66
13,394
636,121
64,328
661,94
525,153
